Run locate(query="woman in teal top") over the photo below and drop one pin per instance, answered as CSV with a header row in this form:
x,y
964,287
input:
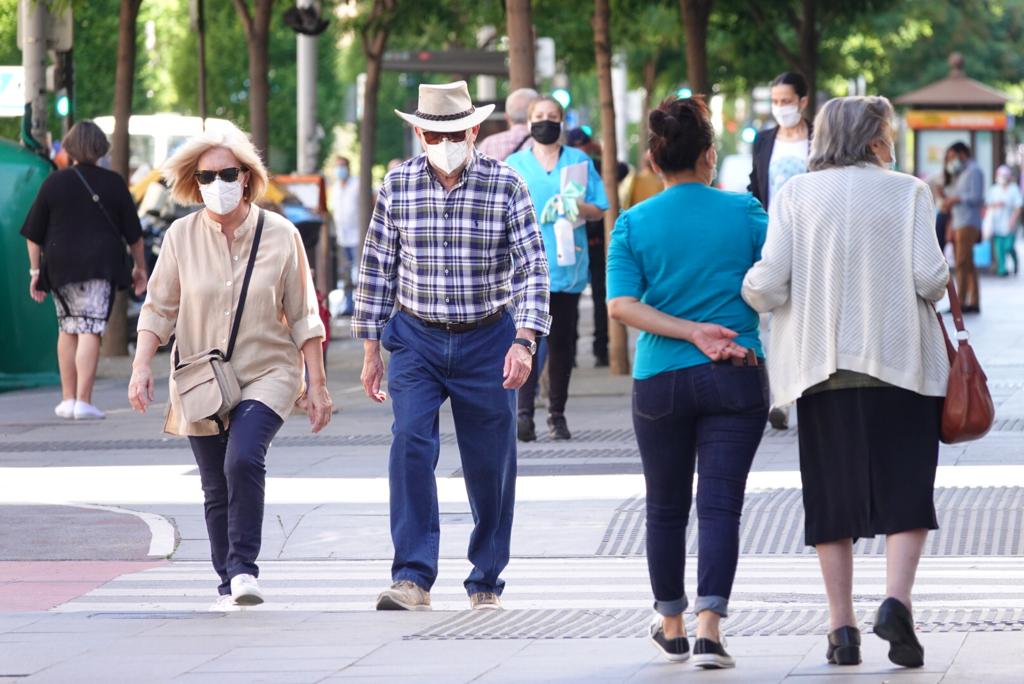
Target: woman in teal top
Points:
x,y
542,167
676,264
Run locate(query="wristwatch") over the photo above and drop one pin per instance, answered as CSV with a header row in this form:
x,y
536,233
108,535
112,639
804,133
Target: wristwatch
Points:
x,y
33,272
529,344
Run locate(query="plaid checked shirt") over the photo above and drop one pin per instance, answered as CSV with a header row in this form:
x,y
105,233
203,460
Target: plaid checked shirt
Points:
x,y
452,257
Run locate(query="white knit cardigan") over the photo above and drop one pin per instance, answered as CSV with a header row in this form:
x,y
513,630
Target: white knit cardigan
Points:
x,y
849,270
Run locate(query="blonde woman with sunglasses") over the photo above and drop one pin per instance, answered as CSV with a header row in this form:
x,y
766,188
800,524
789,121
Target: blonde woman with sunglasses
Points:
x,y
198,287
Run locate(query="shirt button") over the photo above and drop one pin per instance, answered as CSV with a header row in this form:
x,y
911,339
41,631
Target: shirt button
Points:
x,y
228,283
446,215
446,271
447,301
445,243
227,312
236,257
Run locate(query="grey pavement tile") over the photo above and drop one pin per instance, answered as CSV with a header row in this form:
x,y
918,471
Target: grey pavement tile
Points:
x,y
903,677
235,663
166,645
459,671
24,659
470,654
120,667
345,677
344,649
252,677
762,670
94,624
13,621
758,646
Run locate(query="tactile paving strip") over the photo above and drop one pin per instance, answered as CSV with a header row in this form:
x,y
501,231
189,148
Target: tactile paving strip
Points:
x,y
972,521
626,623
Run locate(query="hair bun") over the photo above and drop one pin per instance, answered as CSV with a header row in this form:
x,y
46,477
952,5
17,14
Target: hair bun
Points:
x,y
664,124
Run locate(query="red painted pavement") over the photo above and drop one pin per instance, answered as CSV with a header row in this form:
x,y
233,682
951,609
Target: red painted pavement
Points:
x,y
42,585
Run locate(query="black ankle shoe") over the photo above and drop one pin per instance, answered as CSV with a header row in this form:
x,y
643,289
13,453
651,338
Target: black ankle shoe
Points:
x,y
525,429
711,655
895,624
558,429
675,650
844,646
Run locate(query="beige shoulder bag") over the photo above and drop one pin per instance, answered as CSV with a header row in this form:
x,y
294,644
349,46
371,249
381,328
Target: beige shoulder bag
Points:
x,y
207,385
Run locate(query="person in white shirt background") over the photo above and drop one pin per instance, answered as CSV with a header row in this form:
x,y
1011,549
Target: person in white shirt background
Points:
x,y
345,210
1003,203
780,153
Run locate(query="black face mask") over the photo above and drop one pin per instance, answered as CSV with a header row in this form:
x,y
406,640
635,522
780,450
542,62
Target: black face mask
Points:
x,y
545,132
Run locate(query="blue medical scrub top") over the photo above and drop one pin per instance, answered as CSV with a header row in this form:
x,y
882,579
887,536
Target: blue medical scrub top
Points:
x,y
544,185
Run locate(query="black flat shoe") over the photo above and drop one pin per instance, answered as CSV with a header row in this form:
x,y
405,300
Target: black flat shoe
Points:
x,y
844,646
895,624
711,655
558,429
525,429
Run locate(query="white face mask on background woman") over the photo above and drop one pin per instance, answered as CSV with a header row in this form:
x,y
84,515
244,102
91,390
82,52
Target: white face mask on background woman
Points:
x,y
221,197
787,116
447,155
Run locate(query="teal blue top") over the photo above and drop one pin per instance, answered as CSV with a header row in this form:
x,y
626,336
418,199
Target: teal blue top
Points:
x,y
685,252
544,185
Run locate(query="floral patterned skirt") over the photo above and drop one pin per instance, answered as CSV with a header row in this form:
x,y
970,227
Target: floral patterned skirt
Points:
x,y
84,308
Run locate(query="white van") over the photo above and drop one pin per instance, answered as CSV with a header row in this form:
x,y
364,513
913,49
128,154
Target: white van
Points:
x,y
154,137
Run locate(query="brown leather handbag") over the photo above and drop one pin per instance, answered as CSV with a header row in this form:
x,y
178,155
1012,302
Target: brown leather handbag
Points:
x,y
968,411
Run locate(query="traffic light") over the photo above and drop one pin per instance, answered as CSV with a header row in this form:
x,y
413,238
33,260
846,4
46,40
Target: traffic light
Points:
x,y
562,96
684,93
62,103
749,134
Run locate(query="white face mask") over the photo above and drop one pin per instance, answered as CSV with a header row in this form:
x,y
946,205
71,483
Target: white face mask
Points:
x,y
221,197
447,155
788,116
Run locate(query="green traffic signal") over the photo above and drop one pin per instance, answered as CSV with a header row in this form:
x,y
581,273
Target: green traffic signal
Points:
x,y
63,104
562,96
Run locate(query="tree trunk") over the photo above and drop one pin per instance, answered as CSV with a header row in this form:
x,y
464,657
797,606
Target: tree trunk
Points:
x,y
650,81
618,338
123,80
521,69
115,338
809,53
375,39
696,14
257,34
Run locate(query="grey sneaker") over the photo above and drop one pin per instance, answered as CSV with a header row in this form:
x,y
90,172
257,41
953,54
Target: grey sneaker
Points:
x,y
779,417
404,595
485,600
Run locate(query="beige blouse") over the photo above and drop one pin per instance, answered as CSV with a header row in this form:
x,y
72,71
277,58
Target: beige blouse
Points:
x,y
193,293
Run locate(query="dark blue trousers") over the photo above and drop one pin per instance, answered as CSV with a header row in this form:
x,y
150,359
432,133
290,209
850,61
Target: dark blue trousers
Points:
x,y
429,366
710,416
232,468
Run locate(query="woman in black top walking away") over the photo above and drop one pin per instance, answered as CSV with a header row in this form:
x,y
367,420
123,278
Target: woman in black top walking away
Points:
x,y
76,231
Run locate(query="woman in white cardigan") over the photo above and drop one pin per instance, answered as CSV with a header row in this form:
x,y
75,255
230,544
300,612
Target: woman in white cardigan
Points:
x,y
850,271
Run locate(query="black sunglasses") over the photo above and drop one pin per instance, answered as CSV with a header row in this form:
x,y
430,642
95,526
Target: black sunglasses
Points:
x,y
434,137
228,175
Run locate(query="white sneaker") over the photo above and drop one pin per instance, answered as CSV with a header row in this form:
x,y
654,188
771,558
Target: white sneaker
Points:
x,y
86,411
224,604
65,409
246,591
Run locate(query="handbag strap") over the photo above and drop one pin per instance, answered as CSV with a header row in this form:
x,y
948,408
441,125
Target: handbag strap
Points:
x,y
242,295
96,199
245,285
958,321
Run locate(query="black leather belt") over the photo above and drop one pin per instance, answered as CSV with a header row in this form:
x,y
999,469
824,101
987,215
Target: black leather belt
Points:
x,y
456,327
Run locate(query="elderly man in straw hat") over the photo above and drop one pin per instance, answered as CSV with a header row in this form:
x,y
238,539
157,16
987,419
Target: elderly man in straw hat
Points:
x,y
454,283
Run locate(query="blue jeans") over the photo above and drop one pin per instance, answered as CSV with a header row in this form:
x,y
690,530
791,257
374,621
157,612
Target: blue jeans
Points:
x,y
232,469
710,416
427,367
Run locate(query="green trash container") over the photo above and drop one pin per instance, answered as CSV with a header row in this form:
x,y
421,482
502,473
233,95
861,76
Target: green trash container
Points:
x,y
28,346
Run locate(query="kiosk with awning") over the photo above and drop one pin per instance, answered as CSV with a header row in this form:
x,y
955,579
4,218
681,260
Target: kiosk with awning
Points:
x,y
956,109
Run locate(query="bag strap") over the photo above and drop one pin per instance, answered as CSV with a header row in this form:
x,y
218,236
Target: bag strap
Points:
x,y
521,143
241,297
96,200
245,285
958,321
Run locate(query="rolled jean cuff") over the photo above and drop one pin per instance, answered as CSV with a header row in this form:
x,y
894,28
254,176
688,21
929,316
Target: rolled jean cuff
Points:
x,y
671,608
716,604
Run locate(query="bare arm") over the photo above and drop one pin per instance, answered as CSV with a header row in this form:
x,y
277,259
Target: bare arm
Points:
x,y
318,403
34,253
715,341
140,387
590,212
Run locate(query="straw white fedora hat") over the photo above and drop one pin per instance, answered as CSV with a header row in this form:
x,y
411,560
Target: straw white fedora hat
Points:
x,y
446,108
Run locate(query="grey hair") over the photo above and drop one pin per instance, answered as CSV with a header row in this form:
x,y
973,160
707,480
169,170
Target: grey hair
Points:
x,y
517,103
844,129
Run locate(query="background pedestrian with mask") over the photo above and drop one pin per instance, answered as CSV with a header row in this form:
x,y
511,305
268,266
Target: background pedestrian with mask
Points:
x,y
500,145
779,154
542,167
345,211
964,204
1003,216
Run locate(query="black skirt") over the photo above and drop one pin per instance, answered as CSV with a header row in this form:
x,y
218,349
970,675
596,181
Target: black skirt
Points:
x,y
867,461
